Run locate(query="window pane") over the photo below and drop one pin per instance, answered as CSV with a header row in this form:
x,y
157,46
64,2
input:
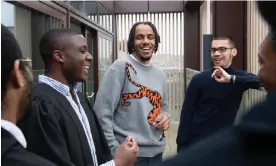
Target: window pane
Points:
x,y
40,23
105,18
90,83
88,8
7,15
105,55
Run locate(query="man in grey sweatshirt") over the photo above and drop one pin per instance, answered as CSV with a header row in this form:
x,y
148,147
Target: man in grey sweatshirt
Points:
x,y
132,98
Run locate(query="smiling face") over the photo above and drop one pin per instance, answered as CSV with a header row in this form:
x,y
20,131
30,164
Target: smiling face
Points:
x,y
77,59
222,53
144,42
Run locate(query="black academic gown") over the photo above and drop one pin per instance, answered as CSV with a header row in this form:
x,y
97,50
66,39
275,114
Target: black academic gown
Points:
x,y
250,143
54,131
14,154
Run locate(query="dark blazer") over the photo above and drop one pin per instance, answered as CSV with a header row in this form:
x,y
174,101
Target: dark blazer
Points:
x,y
250,143
14,154
54,131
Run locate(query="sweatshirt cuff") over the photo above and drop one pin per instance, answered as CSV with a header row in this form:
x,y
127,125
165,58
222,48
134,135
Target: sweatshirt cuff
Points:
x,y
113,150
167,115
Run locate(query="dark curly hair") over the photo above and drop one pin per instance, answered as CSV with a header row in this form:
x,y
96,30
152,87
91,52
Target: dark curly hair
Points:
x,y
130,42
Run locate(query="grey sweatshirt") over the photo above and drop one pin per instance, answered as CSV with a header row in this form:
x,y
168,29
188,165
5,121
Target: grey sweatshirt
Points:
x,y
124,103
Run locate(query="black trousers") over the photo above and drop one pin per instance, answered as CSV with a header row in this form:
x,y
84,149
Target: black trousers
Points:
x,y
149,161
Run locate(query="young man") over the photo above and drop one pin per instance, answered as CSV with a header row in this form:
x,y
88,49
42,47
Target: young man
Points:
x,y
210,104
16,81
63,128
252,141
132,98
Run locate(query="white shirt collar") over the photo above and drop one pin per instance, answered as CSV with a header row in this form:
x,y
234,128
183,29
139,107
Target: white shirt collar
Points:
x,y
138,61
15,131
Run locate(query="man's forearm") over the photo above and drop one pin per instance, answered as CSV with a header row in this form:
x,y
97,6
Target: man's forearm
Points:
x,y
244,79
165,106
250,80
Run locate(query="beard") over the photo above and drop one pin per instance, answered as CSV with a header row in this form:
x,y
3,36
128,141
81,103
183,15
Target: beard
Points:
x,y
145,58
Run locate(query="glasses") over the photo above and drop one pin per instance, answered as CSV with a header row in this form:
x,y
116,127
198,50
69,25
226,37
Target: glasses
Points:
x,y
26,62
220,50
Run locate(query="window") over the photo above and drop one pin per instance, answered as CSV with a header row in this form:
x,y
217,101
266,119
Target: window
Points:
x,y
40,23
105,18
105,55
7,15
18,20
91,80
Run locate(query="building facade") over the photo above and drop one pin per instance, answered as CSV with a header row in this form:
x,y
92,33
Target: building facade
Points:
x,y
29,20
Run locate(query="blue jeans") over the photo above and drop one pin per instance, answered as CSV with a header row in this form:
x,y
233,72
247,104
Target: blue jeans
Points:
x,y
149,161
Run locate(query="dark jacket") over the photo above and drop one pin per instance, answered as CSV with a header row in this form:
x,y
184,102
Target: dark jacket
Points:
x,y
250,143
14,154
